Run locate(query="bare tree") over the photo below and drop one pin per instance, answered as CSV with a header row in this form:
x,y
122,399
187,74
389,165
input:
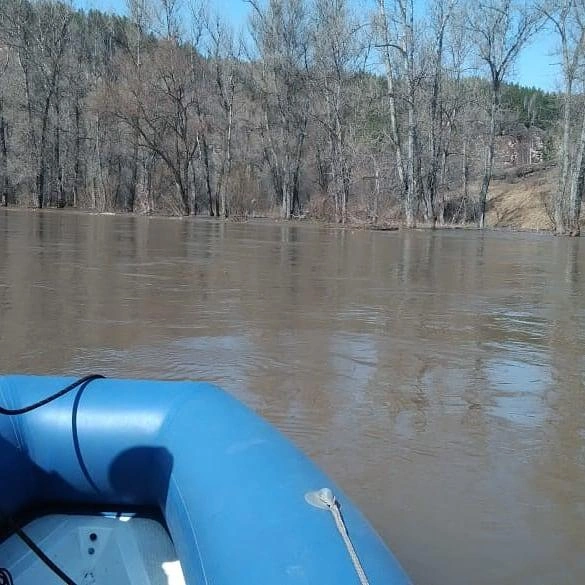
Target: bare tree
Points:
x,y
339,55
215,92
457,119
500,29
163,109
160,108
141,17
224,56
567,18
4,180
40,36
396,35
440,15
279,81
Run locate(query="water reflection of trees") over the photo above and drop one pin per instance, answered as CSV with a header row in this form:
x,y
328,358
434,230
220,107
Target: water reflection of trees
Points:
x,y
559,461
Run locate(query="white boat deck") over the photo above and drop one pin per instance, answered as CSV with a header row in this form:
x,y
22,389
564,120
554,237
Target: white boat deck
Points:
x,y
92,550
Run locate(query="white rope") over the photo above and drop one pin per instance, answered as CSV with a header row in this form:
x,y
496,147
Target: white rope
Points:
x,y
325,499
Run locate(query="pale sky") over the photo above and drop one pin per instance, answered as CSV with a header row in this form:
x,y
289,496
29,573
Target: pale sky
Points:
x,y
538,65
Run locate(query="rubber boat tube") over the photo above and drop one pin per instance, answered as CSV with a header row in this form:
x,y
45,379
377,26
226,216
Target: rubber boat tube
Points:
x,y
232,489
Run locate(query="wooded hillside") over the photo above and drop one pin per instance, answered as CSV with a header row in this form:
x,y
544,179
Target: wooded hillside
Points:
x,y
388,114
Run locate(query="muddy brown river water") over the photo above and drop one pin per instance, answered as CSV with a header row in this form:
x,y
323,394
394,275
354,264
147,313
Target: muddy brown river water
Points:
x,y
437,377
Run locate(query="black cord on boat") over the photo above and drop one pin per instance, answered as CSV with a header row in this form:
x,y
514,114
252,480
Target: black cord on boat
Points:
x,y
8,519
35,549
66,390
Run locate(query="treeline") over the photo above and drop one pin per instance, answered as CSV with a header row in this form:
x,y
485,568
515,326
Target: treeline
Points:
x,y
313,109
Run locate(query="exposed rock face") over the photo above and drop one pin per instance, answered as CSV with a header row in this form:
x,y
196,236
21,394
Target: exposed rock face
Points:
x,y
523,147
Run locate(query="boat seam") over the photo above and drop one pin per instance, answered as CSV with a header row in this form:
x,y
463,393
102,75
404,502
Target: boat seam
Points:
x,y
186,512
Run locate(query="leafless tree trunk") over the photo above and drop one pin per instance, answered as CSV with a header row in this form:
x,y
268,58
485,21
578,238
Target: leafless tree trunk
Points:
x,y
567,19
500,29
204,147
141,16
465,171
280,34
41,39
409,165
338,55
440,15
489,154
224,56
58,160
3,155
576,187
386,46
74,201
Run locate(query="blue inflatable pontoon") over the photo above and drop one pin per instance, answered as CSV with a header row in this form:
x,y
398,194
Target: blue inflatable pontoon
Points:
x,y
240,503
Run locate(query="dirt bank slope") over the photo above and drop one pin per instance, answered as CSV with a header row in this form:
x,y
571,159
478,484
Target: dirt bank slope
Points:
x,y
520,202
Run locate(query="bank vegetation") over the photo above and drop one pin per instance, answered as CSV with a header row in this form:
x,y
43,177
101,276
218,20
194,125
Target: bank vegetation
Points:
x,y
401,113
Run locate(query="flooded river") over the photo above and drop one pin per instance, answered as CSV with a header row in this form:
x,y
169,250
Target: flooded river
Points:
x,y
437,377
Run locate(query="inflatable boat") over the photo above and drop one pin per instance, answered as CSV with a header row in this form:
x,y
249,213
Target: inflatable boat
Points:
x,y
164,483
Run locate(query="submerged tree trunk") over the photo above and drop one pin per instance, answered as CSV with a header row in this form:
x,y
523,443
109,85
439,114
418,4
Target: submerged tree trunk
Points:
x,y
296,179
391,93
436,152
576,187
184,197
445,146
465,177
413,162
409,200
132,194
227,162
3,156
58,162
560,198
77,164
286,195
489,159
207,166
41,172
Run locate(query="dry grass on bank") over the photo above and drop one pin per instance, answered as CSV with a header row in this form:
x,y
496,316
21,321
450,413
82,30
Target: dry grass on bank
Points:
x,y
519,202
